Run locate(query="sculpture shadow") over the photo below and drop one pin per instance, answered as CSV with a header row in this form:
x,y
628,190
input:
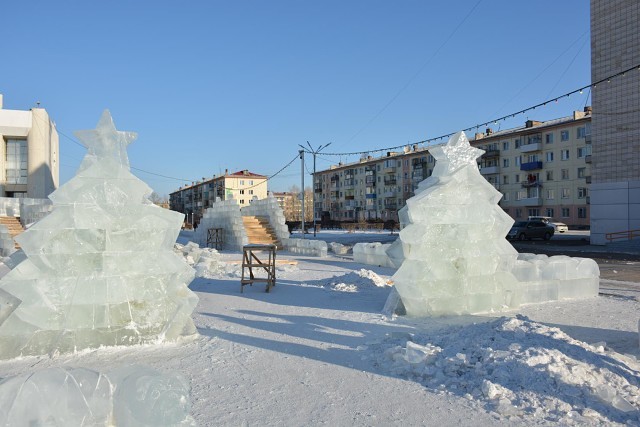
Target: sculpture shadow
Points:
x,y
359,344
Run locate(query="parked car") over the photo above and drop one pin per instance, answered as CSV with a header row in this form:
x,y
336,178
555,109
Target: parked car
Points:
x,y
532,229
560,227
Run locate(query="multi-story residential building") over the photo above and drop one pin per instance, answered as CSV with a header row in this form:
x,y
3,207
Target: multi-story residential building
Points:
x,y
242,186
28,153
615,47
542,168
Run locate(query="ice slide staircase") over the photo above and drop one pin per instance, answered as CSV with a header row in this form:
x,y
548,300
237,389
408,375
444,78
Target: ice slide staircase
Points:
x,y
259,231
13,225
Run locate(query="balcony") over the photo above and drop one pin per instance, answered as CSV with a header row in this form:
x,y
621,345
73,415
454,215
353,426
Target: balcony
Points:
x,y
489,170
350,205
335,178
488,154
390,181
371,196
530,148
587,158
532,183
389,169
587,139
370,179
587,179
529,201
349,197
334,194
317,189
390,204
530,166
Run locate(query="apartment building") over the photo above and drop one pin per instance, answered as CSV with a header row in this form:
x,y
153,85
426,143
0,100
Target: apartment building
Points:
x,y
615,47
242,186
29,164
542,168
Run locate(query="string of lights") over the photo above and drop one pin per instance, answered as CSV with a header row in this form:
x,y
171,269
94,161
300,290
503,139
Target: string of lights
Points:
x,y
493,121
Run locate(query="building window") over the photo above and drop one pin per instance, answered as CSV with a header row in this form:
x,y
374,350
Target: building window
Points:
x,y
518,161
581,172
517,143
505,163
241,191
549,212
550,194
582,192
548,138
505,197
549,156
505,179
566,193
534,212
522,194
505,145
564,154
16,167
582,212
564,135
580,132
582,151
549,175
566,212
518,213
517,177
250,191
565,173
242,201
242,182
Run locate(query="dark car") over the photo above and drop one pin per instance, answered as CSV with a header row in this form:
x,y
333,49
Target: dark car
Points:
x,y
528,230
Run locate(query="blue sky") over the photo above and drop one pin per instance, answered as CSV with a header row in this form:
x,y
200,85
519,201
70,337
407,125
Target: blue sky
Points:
x,y
212,85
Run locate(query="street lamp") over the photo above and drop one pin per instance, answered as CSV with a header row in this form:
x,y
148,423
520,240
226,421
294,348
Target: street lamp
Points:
x,y
313,194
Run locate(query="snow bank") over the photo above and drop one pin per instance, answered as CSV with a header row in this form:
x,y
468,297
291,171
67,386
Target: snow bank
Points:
x,y
354,281
521,370
207,262
339,248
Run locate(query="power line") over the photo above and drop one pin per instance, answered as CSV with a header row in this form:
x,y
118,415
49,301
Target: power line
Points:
x,y
416,74
496,120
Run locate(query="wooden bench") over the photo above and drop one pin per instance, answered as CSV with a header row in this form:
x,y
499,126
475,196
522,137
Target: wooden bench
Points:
x,y
250,262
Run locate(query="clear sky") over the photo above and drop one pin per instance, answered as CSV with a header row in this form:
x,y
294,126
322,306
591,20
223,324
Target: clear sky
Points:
x,y
212,85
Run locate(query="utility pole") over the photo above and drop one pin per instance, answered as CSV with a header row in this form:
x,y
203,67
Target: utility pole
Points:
x,y
313,194
302,193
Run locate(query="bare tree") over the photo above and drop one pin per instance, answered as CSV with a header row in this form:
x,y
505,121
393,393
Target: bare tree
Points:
x,y
159,200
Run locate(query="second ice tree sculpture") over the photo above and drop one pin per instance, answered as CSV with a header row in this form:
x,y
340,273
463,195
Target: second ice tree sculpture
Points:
x,y
458,258
100,269
455,258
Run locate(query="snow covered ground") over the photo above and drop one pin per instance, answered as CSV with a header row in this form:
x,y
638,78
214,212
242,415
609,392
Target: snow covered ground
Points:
x,y
316,350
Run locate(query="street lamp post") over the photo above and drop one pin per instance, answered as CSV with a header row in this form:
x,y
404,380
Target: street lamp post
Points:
x,y
313,194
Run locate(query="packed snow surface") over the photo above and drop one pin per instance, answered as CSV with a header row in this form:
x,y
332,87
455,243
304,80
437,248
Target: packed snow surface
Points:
x,y
308,353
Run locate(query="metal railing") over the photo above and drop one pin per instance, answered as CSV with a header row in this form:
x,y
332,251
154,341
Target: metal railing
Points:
x,y
628,235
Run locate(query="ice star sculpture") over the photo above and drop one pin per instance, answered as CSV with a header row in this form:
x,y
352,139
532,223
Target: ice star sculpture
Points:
x,y
100,269
453,254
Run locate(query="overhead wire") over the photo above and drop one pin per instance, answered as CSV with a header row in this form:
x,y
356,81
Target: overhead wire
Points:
x,y
493,121
416,74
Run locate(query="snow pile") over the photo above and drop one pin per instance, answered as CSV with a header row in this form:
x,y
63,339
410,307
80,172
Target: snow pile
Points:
x,y
521,370
352,282
207,262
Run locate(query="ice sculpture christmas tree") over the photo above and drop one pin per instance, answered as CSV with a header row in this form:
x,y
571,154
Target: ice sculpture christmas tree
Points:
x,y
457,260
100,269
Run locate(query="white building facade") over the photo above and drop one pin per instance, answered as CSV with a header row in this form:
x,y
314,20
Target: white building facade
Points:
x,y
29,153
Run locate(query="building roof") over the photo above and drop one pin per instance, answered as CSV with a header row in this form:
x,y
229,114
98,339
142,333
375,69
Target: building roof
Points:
x,y
245,172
